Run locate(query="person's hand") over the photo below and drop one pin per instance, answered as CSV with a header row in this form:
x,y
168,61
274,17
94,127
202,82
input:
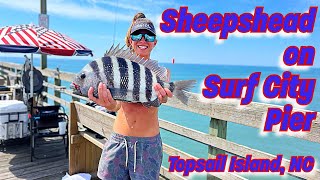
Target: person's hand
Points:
x,y
105,99
163,93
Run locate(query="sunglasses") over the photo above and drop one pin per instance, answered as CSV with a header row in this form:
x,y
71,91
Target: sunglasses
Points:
x,y
138,37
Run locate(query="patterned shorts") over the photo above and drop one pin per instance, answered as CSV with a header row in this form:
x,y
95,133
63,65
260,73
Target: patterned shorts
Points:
x,y
126,157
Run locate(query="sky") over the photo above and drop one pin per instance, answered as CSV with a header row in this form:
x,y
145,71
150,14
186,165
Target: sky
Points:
x,y
100,23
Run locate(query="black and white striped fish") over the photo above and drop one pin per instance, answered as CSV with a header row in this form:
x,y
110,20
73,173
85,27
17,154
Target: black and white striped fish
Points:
x,y
129,78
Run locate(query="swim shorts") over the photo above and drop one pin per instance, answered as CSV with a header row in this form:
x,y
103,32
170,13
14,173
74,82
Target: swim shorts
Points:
x,y
127,157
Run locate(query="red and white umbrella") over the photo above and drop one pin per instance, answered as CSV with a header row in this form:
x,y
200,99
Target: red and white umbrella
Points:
x,y
40,40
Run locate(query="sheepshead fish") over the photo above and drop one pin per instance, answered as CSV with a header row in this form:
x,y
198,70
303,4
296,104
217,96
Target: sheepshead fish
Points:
x,y
129,78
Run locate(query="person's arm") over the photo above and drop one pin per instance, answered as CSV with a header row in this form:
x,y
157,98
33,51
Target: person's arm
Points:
x,y
105,98
116,108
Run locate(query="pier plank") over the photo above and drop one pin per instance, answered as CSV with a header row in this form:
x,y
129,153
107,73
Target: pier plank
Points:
x,y
63,89
252,115
15,160
64,76
57,99
11,65
94,119
54,87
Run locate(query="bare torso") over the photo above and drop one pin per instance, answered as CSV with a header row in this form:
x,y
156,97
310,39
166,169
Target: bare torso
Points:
x,y
133,119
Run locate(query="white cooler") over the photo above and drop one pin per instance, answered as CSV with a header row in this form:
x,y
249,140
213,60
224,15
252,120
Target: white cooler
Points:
x,y
13,119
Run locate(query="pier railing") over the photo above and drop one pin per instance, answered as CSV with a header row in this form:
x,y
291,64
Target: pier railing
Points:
x,y
85,148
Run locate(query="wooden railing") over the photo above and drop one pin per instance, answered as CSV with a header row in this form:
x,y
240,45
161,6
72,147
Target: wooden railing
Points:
x,y
85,149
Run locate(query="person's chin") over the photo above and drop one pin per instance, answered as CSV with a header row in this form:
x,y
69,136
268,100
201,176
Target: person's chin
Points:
x,y
142,53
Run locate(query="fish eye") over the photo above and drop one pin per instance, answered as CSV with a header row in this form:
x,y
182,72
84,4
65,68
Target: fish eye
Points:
x,y
82,75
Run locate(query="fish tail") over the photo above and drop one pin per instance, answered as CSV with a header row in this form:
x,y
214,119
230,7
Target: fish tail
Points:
x,y
180,88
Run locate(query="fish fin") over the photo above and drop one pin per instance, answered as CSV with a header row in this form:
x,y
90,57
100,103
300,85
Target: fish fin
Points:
x,y
154,103
127,53
153,65
180,88
115,51
121,51
108,51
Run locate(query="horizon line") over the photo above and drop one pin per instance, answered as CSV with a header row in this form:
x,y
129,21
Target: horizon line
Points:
x,y
250,65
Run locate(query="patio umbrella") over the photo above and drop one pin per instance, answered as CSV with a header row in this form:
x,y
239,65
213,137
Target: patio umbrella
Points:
x,y
37,39
28,38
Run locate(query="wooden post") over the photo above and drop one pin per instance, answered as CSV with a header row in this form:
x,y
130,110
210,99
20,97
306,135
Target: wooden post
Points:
x,y
84,155
13,78
16,80
217,128
43,62
43,6
57,82
19,78
77,161
57,93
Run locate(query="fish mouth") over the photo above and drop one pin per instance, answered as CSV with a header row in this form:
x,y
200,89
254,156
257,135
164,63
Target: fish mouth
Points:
x,y
76,88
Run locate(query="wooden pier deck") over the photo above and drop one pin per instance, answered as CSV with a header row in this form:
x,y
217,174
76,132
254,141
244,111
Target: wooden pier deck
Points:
x,y
15,160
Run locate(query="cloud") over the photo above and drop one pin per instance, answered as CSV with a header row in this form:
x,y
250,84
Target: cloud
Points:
x,y
163,3
149,7
103,10
118,4
97,36
68,9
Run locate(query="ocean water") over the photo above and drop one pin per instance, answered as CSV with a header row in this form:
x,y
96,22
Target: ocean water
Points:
x,y
247,136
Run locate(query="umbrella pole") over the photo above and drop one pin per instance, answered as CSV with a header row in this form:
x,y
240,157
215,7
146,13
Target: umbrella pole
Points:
x,y
31,85
31,108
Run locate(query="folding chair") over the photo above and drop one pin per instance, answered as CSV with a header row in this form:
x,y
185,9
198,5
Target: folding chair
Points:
x,y
44,123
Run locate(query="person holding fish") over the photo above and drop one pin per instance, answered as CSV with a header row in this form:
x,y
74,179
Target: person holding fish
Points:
x,y
135,126
128,82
